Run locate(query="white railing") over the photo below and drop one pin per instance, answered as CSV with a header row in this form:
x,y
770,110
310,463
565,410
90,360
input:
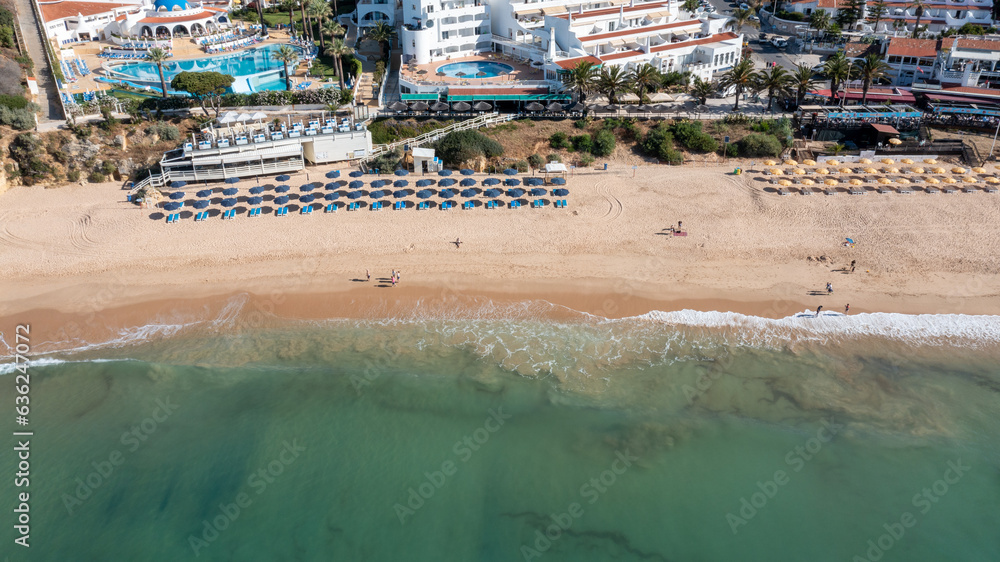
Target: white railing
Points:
x,y
431,136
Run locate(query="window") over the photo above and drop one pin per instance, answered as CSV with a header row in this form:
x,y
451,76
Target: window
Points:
x,y
430,9
894,60
444,35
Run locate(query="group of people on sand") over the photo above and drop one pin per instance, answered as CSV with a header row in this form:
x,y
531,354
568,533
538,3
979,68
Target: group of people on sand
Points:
x,y
393,277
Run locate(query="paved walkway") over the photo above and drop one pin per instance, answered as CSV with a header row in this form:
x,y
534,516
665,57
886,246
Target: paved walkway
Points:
x,y
48,94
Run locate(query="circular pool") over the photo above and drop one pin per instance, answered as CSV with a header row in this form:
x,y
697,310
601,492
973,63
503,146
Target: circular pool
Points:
x,y
472,69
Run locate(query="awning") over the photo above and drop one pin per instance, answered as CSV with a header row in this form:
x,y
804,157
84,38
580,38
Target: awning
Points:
x,y
619,2
419,97
511,97
655,15
554,10
959,99
887,129
527,11
250,155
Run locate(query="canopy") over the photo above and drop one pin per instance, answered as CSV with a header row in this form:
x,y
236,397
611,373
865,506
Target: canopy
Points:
x,y
554,107
560,192
424,182
256,190
307,187
378,183
482,106
515,192
533,181
356,184
511,182
259,115
537,192
205,193
355,195
491,181
173,206
446,193
356,174
333,185
534,106
559,181
461,106
201,204
332,196
510,172
492,193
420,106
400,183
439,106
398,106
424,193
400,193
469,193
378,194
232,180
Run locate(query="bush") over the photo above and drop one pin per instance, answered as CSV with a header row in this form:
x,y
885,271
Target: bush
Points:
x,y
660,143
521,166
536,161
690,135
73,175
586,159
463,146
165,131
13,102
96,177
604,143
559,140
731,150
581,123
22,119
582,143
554,157
759,144
108,167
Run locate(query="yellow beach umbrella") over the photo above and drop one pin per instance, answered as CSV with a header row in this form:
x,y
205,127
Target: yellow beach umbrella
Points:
x,y
969,179
791,162
832,162
784,182
895,141
884,180
979,170
892,170
823,171
949,179
917,170
809,162
888,161
808,181
932,180
937,170
865,161
902,180
856,182
907,160
799,172
769,162
957,170
871,171
776,172
930,161
992,180
846,170
830,181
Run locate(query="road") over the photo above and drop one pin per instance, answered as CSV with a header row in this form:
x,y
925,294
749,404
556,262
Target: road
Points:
x,y
48,95
767,53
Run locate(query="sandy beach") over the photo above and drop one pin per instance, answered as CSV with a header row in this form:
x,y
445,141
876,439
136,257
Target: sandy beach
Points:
x,y
76,250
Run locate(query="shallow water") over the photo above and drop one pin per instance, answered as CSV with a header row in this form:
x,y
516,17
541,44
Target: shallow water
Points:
x,y
636,439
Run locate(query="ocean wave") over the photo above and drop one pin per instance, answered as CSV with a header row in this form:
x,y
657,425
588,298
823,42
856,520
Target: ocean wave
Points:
x,y
8,368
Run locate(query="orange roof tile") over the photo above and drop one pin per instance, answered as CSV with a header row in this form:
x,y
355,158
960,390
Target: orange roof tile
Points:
x,y
570,63
52,11
979,44
906,47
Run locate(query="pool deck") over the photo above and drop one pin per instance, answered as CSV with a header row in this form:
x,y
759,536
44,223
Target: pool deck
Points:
x,y
521,72
184,48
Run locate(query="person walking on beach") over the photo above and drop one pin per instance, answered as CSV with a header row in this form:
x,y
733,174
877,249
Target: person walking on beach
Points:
x,y
829,288
368,275
393,279
818,308
853,263
847,308
457,242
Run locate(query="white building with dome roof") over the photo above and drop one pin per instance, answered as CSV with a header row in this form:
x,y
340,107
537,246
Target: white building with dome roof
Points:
x,y
88,20
170,18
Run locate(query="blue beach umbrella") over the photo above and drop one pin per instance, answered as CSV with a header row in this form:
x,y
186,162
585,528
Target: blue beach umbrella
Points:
x,y
492,193
446,182
333,174
424,183
332,196
201,204
560,192
177,195
491,181
355,195
307,187
377,194
232,180
849,240
171,206
333,185
510,172
446,193
400,183
466,172
231,202
356,174
377,183
256,190
510,182
468,193
283,200
307,198
255,201
515,192
283,177
230,191
401,172
424,193
177,184
399,194
558,181
444,172
533,181
467,182
205,193
282,189
356,184
538,192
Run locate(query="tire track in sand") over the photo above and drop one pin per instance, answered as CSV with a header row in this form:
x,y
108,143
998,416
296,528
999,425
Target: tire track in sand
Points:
x,y
614,204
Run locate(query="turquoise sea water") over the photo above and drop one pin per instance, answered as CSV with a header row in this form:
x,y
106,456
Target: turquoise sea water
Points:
x,y
675,437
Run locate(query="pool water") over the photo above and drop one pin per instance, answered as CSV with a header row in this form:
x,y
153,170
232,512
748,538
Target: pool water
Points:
x,y
472,69
243,63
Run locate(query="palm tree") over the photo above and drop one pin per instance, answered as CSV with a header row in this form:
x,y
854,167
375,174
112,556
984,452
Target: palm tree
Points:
x,y
382,33
740,76
287,55
331,29
802,81
338,49
838,68
647,79
320,10
582,78
259,4
775,81
613,81
306,28
702,89
290,6
158,56
918,10
741,18
820,20
690,6
871,69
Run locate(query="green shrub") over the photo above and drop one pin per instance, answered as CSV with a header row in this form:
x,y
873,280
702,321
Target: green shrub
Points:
x,y
73,175
581,123
521,166
604,143
757,145
731,150
660,143
13,102
559,140
690,135
165,131
582,143
96,177
23,119
108,167
554,157
463,146
536,161
586,159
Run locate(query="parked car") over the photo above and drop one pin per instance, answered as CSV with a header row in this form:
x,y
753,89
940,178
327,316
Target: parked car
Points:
x,y
779,42
744,6
762,38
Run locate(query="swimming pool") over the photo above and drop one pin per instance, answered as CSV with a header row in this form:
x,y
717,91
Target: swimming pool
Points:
x,y
240,65
473,68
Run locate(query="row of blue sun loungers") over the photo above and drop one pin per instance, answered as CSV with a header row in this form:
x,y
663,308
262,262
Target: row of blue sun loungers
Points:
x,y
126,55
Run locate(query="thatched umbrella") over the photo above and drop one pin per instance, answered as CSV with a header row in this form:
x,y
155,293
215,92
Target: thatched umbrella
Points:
x,y
832,162
440,106
865,161
932,180
482,106
554,107
534,106
420,106
461,106
398,106
930,161
791,162
809,162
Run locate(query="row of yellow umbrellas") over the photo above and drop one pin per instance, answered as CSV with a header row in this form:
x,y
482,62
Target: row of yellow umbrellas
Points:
x,y
834,162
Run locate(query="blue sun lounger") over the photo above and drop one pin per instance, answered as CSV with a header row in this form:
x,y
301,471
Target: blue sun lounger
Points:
x,y
281,212
515,204
307,210
331,207
422,206
255,212
399,205
467,205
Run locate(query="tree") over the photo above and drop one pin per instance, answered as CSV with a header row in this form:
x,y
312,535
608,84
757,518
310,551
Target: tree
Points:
x,y
741,18
259,4
337,50
876,11
331,29
157,56
918,11
702,89
205,86
613,81
647,79
838,69
287,55
382,33
319,10
740,77
290,6
775,81
850,13
802,80
819,20
582,79
306,28
871,69
690,6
